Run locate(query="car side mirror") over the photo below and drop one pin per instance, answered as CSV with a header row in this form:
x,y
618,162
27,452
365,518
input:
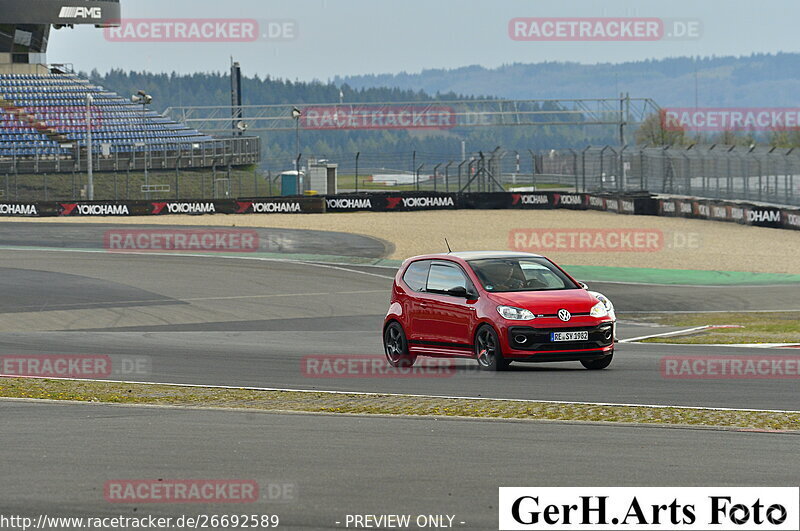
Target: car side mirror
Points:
x,y
583,285
458,291
464,293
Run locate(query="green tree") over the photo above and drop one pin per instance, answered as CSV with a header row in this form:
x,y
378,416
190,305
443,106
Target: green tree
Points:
x,y
653,133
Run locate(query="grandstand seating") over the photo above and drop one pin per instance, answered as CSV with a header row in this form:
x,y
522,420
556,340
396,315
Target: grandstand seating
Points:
x,y
44,116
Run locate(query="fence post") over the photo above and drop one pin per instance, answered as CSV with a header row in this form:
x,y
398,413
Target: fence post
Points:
x,y
459,173
602,175
533,169
789,177
358,156
688,171
583,169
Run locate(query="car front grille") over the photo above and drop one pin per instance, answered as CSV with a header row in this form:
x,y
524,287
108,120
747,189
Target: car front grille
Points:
x,y
538,339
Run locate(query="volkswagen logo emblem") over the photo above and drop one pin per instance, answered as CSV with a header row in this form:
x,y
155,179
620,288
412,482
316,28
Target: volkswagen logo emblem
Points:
x,y
564,315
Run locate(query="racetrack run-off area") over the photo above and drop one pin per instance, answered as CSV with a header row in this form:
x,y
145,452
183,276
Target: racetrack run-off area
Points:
x,y
309,292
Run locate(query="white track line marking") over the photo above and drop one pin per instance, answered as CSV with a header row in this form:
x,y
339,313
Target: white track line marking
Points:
x,y
99,305
714,286
335,265
646,312
324,265
666,334
755,345
402,395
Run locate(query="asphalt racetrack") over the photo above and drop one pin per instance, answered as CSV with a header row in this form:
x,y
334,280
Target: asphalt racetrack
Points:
x,y
250,322
56,459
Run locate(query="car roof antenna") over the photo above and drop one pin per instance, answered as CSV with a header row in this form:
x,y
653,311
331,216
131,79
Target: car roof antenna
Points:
x,y
449,250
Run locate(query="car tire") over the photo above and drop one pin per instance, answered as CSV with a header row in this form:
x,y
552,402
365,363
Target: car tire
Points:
x,y
395,346
598,365
488,352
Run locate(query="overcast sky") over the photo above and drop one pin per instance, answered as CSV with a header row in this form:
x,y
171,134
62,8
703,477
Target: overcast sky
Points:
x,y
344,37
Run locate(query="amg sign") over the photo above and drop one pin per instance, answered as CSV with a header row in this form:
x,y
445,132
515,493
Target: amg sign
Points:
x,y
99,12
81,12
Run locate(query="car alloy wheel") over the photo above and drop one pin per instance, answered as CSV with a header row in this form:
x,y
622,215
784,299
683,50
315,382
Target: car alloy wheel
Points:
x,y
487,350
395,346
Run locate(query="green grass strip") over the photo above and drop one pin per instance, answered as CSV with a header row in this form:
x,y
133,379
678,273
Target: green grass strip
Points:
x,y
641,275
321,402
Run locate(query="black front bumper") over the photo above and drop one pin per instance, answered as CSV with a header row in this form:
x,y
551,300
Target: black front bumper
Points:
x,y
538,340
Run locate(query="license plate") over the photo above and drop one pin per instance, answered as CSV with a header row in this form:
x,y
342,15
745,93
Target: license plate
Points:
x,y
569,336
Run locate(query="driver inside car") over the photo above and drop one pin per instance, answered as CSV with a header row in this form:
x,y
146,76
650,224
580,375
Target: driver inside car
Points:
x,y
504,276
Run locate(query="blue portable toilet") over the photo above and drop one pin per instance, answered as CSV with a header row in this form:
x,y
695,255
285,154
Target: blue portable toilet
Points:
x,y
291,183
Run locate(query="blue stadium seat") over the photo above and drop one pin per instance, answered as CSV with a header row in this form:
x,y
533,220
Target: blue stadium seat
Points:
x,y
39,113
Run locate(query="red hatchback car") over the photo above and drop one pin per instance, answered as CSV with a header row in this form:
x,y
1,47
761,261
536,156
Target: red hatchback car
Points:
x,y
496,307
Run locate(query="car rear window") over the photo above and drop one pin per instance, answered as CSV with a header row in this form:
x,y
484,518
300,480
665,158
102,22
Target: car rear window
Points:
x,y
416,276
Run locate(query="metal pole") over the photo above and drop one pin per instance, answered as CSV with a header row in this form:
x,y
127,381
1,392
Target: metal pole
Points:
x,y
146,153
574,166
533,169
435,175
583,168
297,136
89,150
297,167
358,155
447,176
459,173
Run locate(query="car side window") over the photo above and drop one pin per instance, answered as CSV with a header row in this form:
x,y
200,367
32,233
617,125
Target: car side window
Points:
x,y
444,277
416,276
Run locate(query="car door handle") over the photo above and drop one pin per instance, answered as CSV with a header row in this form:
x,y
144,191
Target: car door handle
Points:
x,y
423,305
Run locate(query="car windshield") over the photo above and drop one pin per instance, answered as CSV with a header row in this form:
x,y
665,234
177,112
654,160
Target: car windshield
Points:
x,y
520,274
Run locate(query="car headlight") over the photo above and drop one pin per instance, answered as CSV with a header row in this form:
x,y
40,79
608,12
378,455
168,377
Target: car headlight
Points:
x,y
599,310
515,314
606,302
